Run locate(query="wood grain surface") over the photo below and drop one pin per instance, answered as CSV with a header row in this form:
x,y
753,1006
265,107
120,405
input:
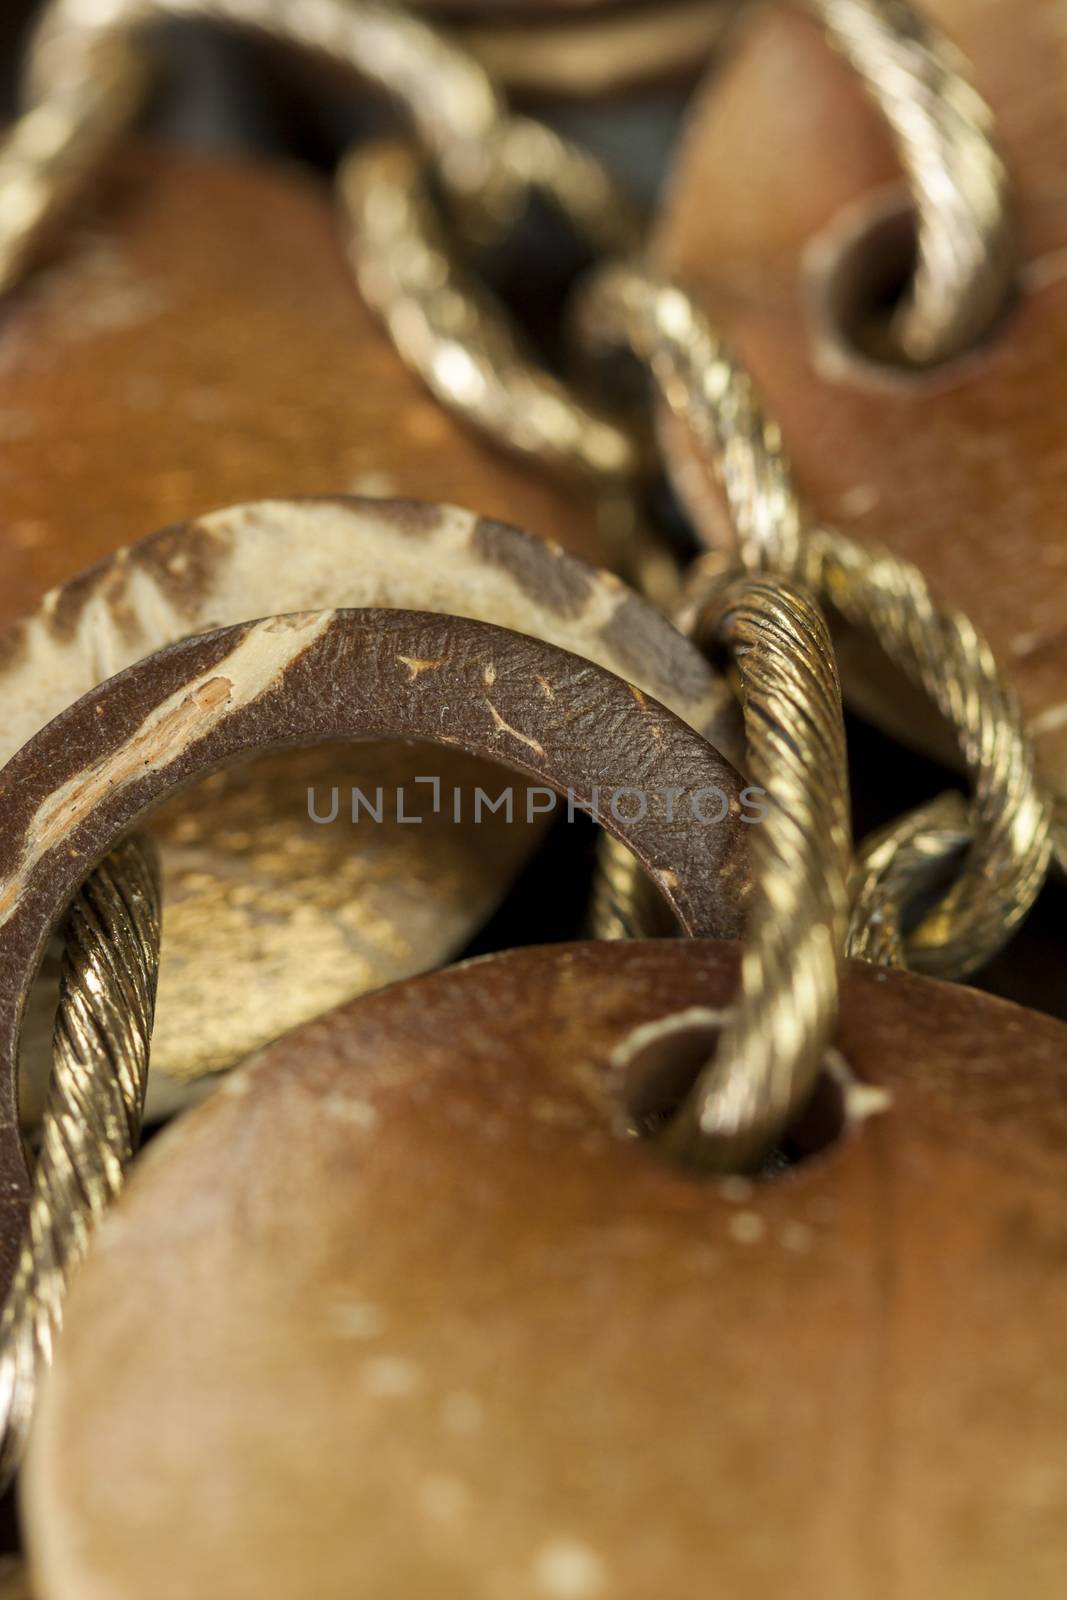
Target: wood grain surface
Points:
x,y
400,1312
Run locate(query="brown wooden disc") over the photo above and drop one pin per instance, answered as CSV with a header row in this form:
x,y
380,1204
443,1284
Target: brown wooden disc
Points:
x,y
565,724
401,1313
270,918
782,176
197,342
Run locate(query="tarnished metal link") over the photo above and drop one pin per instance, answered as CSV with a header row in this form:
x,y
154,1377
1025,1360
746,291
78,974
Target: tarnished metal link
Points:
x,y
92,1119
775,1035
938,649
945,137
453,332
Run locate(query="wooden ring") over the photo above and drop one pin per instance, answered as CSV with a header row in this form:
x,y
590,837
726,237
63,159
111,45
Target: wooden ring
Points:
x,y
94,771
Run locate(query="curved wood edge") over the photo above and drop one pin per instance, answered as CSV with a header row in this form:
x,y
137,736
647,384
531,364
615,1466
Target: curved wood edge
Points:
x,y
95,770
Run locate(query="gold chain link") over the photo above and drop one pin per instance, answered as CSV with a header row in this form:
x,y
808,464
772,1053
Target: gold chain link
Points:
x,y
458,338
776,1033
92,1117
939,649
945,138
454,333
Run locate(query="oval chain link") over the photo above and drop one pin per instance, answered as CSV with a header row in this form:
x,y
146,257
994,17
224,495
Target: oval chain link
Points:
x,y
744,459
945,138
454,333
776,1033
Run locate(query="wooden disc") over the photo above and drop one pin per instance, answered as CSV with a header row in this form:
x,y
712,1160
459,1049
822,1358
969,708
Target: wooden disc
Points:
x,y
961,470
317,677
198,341
399,1312
270,918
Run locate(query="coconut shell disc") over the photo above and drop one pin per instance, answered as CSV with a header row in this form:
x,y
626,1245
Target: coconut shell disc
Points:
x,y
782,176
402,1312
271,916
198,341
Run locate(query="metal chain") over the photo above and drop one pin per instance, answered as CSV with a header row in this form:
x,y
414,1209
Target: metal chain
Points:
x,y
939,649
945,138
454,333
92,1117
487,163
899,866
87,69
52,150
776,1034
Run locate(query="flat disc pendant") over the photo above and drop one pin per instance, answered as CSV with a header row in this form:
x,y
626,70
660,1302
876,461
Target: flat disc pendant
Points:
x,y
961,470
401,1312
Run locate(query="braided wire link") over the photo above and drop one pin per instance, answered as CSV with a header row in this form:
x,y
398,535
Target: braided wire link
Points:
x,y
54,147
899,865
1059,834
741,457
453,332
774,1037
945,137
92,1117
87,71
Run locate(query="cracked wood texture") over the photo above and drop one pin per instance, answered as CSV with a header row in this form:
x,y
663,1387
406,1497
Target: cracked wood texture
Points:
x,y
270,918
560,721
400,1313
963,470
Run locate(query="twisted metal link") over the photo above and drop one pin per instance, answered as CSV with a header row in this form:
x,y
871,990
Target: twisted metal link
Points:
x,y
945,137
453,332
745,463
774,1038
52,150
623,903
92,1118
1059,834
87,70
899,866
